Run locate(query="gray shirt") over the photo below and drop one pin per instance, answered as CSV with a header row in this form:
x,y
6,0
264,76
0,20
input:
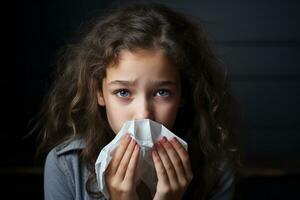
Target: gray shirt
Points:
x,y
65,176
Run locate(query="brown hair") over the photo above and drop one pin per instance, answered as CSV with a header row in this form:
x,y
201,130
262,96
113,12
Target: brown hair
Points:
x,y
205,121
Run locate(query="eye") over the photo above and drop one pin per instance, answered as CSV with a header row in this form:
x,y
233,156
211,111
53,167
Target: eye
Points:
x,y
163,93
122,93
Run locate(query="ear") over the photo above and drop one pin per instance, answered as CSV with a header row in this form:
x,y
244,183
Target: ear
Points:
x,y
100,98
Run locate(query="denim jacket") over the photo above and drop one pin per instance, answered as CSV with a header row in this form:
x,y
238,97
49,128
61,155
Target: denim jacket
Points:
x,y
65,176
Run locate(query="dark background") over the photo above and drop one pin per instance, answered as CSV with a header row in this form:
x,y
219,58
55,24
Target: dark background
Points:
x,y
258,40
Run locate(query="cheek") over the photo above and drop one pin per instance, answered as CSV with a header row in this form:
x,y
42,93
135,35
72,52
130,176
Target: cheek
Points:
x,y
116,115
166,114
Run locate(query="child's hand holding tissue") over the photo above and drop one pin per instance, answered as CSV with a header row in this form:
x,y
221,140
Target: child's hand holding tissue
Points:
x,y
173,169
128,159
120,172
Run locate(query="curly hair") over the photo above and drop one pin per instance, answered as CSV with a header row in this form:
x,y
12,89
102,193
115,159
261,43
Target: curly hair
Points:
x,y
205,121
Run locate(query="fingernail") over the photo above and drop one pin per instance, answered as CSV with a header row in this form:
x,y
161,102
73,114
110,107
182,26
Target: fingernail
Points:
x,y
133,141
127,137
174,140
157,145
164,139
137,147
154,153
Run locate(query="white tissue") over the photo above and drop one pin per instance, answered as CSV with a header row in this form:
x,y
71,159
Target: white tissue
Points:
x,y
146,132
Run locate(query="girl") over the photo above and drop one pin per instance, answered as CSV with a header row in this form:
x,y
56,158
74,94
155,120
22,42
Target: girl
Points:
x,y
142,61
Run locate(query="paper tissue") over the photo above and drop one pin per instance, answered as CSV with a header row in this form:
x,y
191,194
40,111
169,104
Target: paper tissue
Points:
x,y
146,132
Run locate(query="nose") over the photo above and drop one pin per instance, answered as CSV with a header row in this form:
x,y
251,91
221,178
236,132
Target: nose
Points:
x,y
143,109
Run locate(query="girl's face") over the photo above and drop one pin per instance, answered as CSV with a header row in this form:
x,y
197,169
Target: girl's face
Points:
x,y
143,84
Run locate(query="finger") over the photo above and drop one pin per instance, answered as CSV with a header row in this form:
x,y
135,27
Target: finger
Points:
x,y
175,159
119,153
122,168
184,156
117,157
167,163
162,175
129,176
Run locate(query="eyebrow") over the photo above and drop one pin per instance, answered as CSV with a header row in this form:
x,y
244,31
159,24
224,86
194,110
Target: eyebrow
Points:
x,y
131,83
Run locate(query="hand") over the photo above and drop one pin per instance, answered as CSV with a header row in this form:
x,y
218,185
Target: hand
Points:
x,y
120,174
173,169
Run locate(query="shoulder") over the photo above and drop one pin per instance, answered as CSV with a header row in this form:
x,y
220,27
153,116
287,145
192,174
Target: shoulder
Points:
x,y
69,146
64,154
224,189
61,168
68,150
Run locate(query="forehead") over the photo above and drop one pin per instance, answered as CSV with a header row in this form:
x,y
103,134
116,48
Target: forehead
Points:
x,y
142,64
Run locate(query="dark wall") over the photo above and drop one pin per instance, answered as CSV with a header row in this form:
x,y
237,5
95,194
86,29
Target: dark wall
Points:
x,y
259,43
258,40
